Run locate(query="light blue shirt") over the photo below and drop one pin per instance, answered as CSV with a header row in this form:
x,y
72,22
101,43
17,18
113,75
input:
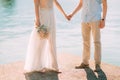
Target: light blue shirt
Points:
x,y
91,10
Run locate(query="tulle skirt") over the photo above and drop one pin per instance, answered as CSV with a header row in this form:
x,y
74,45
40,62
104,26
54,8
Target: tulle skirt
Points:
x,y
41,53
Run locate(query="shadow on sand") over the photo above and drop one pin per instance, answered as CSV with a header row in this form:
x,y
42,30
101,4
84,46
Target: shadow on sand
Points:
x,y
91,75
41,76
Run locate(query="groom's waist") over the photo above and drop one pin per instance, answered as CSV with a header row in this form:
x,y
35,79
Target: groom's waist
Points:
x,y
90,17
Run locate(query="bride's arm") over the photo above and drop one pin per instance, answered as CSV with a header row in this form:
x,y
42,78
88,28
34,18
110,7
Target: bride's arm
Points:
x,y
59,7
36,6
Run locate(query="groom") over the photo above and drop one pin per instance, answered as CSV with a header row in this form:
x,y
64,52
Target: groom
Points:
x,y
92,21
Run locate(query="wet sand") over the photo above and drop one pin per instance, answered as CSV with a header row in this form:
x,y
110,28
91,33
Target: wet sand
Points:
x,y
67,62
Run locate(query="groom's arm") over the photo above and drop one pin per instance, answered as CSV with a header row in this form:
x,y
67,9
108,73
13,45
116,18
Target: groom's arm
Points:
x,y
104,9
77,8
104,12
60,8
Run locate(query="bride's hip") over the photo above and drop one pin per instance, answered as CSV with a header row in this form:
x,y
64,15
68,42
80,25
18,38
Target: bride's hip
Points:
x,y
46,9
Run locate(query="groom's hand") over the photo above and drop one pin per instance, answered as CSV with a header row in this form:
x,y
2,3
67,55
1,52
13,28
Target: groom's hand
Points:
x,y
102,24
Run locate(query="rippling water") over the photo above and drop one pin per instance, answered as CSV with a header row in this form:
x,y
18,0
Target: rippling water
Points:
x,y
16,23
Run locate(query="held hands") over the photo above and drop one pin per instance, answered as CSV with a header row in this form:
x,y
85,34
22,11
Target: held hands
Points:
x,y
68,17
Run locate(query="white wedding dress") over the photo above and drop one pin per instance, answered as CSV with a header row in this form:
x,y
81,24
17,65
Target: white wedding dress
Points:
x,y
41,53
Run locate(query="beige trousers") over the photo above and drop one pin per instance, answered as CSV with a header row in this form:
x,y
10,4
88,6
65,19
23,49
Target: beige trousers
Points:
x,y
87,28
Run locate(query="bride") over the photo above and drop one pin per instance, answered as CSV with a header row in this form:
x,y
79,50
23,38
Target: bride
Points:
x,y
41,53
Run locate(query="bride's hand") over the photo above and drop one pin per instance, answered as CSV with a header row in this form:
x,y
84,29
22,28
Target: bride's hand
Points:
x,y
37,23
65,16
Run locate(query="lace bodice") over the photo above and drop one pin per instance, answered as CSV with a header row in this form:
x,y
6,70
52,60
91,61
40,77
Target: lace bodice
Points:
x,y
46,4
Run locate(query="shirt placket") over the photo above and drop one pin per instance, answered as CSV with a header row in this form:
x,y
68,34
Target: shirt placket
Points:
x,y
87,11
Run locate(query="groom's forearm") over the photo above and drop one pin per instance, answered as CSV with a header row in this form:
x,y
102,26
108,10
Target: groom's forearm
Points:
x,y
104,9
78,8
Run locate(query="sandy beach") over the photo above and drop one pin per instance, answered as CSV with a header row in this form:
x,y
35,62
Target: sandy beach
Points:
x,y
67,62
